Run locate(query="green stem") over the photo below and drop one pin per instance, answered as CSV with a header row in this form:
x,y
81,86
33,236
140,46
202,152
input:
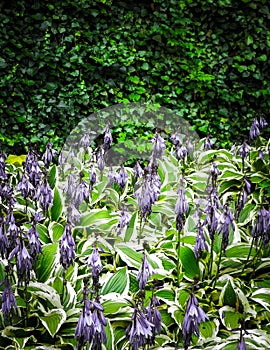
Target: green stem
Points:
x,y
178,248
211,259
218,269
249,253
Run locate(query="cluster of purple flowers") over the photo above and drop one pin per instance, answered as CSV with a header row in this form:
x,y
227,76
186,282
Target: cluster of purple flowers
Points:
x,y
256,127
193,317
261,227
20,247
181,150
148,179
90,328
145,322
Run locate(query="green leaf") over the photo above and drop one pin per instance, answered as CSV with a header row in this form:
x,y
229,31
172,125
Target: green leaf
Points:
x,y
189,263
52,176
56,230
129,255
145,66
94,217
47,262
131,231
118,283
53,320
262,297
57,207
111,307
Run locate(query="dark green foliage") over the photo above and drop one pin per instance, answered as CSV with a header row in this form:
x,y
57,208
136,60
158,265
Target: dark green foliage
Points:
x,y
62,60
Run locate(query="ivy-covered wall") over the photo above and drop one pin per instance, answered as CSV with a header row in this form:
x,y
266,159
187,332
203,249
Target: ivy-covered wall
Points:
x,y
62,60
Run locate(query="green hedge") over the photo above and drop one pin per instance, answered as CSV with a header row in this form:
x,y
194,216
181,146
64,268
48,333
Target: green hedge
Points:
x,y
62,60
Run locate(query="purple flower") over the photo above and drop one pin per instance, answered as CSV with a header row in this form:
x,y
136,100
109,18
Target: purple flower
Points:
x,y
93,176
181,207
144,272
254,130
8,300
33,237
32,168
262,122
226,221
139,332
241,345
100,160
67,247
181,152
261,228
85,141
90,327
200,244
49,154
23,262
25,187
45,195
81,193
3,239
208,143
138,172
73,214
121,178
244,150
193,317
153,316
107,138
124,221
95,263
159,145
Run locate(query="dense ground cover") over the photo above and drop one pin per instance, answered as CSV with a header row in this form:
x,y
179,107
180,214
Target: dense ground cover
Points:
x,y
61,61
172,256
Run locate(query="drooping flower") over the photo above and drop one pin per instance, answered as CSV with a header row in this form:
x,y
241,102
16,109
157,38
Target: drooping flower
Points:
x,y
49,154
181,207
94,262
193,317
261,227
32,168
90,327
9,304
241,344
208,143
3,238
67,247
226,221
121,178
123,222
200,244
33,237
25,187
153,316
45,195
144,272
23,262
254,130
107,138
81,193
244,150
138,171
139,332
159,146
85,141
100,160
93,177
73,214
